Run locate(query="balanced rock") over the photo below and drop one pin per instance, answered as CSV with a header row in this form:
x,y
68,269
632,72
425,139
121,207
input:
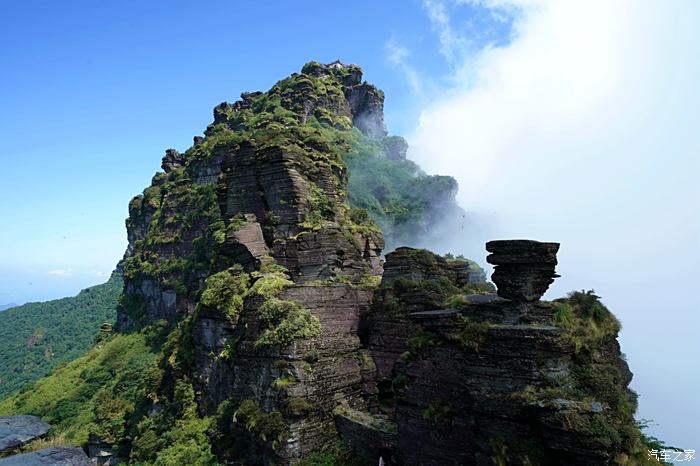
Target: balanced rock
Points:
x,y
524,268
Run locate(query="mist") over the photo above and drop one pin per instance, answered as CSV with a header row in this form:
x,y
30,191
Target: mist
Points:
x,y
583,130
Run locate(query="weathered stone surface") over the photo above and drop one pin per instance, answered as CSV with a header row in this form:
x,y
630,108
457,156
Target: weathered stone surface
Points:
x,y
16,431
524,268
430,367
469,385
54,456
100,452
340,370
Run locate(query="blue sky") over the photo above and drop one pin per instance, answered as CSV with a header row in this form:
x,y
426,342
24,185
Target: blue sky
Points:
x,y
565,121
94,92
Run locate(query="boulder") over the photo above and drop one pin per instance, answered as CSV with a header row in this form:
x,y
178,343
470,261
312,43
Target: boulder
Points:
x,y
54,456
16,431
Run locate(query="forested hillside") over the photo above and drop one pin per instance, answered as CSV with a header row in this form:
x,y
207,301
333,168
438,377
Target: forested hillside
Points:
x,y
36,337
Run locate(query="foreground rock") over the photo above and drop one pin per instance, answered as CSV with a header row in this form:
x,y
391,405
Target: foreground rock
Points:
x,y
16,431
55,456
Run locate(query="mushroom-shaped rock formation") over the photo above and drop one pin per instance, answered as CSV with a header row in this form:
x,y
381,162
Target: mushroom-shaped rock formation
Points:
x,y
524,268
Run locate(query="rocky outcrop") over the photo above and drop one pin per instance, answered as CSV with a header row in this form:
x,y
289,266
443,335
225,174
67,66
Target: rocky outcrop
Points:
x,y
16,431
287,330
477,379
524,269
54,456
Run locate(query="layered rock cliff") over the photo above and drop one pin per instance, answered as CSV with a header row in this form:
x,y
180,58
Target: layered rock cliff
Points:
x,y
259,323
496,378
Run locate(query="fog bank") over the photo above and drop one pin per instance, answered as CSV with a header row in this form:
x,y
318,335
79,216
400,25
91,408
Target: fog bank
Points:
x,y
583,130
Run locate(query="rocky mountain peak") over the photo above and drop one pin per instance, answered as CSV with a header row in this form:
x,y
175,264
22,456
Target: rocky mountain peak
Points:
x,y
288,328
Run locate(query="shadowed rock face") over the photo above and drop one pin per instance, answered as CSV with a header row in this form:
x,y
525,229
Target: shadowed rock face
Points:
x,y
475,379
16,431
524,268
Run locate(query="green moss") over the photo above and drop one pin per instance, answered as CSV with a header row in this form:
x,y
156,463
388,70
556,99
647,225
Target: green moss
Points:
x,y
284,382
332,455
321,208
422,343
473,334
585,318
224,291
269,427
375,421
285,321
312,356
270,284
297,405
438,413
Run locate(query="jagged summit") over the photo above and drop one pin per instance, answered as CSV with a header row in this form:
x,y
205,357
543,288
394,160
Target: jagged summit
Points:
x,y
259,324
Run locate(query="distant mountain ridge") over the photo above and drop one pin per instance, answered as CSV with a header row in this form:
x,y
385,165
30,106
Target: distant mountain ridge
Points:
x,y
7,306
37,337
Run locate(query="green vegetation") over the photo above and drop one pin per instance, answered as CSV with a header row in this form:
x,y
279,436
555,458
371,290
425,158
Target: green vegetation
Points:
x,y
267,426
586,318
335,455
376,421
398,195
285,321
81,396
173,211
473,334
112,390
37,337
224,291
596,376
422,343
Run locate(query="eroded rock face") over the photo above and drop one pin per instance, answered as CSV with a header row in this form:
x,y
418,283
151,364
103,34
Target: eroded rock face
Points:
x,y
524,268
477,379
247,248
262,198
16,431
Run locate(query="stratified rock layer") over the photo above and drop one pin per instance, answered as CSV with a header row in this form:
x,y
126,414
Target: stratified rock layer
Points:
x,y
476,379
246,250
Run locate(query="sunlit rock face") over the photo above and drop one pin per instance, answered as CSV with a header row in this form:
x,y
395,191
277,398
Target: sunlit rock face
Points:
x,y
289,329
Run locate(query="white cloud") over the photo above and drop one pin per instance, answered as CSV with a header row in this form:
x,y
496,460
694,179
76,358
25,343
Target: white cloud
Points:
x,y
60,272
451,42
584,130
398,55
